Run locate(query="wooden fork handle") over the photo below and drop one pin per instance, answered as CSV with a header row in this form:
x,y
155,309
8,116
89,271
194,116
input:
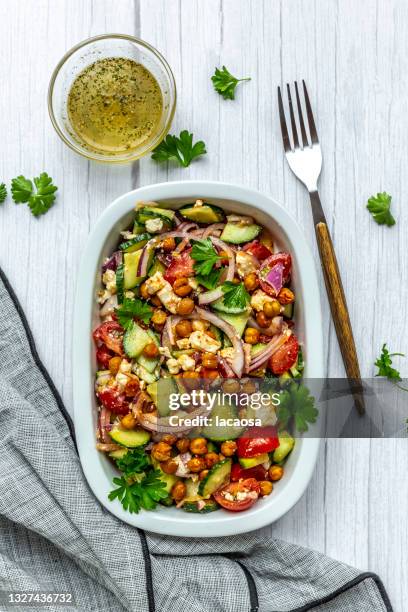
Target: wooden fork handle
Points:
x,y
339,310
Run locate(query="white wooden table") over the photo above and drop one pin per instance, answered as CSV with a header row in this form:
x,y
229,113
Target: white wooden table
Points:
x,y
354,57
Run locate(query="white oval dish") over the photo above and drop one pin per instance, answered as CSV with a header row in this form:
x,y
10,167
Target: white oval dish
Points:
x,y
103,239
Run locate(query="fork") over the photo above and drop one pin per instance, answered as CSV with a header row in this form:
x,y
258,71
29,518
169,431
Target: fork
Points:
x,y
305,160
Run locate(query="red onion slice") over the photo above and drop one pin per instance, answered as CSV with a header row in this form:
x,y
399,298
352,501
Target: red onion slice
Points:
x,y
275,277
210,296
260,358
113,262
104,424
215,227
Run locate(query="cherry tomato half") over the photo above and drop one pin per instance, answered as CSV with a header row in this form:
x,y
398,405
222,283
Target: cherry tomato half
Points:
x,y
258,250
103,356
249,486
285,357
239,473
114,400
283,258
180,267
110,333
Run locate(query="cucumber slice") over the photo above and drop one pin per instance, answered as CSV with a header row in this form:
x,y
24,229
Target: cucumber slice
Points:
x,y
148,377
134,244
210,506
287,310
156,266
118,454
131,438
138,228
238,234
120,283
219,432
238,321
151,212
219,306
207,213
169,479
216,478
149,363
131,262
160,392
286,444
134,340
250,462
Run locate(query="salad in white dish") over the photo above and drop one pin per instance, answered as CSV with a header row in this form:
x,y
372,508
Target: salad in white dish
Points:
x,y
194,298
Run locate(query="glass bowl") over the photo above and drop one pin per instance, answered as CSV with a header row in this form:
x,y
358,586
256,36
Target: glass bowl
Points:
x,y
89,51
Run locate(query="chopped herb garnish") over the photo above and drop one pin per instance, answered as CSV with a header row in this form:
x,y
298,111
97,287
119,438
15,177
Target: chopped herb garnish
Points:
x,y
180,149
145,493
379,207
384,365
39,197
3,192
225,83
133,309
235,295
205,256
211,280
298,405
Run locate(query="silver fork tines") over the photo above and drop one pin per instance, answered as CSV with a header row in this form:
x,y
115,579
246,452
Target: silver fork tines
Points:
x,y
304,156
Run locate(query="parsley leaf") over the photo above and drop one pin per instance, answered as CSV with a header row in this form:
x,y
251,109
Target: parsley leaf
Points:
x,y
379,207
131,309
211,280
225,84
296,403
134,462
39,200
384,363
235,295
140,494
205,256
181,149
3,192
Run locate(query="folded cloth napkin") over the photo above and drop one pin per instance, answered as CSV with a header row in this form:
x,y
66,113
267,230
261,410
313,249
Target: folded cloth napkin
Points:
x,y
55,537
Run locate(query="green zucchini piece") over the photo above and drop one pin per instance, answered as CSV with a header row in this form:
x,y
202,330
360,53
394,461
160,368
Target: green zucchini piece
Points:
x,y
220,433
136,243
217,477
207,213
210,506
286,444
134,340
287,310
238,321
238,234
131,438
120,283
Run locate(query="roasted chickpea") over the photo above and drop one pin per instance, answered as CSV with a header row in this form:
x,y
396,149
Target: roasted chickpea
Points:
x,y
178,491
211,333
266,487
186,306
211,459
182,287
114,365
286,296
262,319
168,244
183,445
225,258
128,421
144,292
210,374
184,328
148,407
161,451
198,446
221,457
169,467
251,281
271,309
231,385
169,439
275,472
196,464
203,474
190,379
132,387
158,319
228,448
209,361
251,335
151,350
236,280
249,387
155,300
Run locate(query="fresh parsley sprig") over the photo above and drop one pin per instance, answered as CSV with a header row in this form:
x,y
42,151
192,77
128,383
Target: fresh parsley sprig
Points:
x,y
145,493
135,461
39,196
379,206
298,405
179,148
3,192
235,295
205,256
131,309
211,280
384,365
225,83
